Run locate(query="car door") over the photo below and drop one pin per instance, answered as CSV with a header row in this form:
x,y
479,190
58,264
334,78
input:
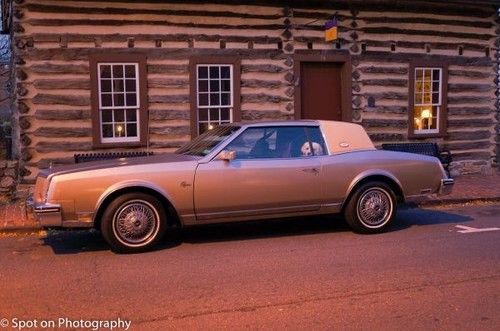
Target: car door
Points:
x,y
269,176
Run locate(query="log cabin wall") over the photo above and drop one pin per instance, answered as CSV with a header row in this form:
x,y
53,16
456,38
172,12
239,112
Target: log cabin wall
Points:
x,y
53,41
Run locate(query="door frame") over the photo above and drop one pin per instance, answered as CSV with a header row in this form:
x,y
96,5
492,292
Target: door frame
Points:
x,y
322,56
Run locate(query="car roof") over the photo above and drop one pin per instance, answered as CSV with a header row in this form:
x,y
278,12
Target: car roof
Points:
x,y
276,123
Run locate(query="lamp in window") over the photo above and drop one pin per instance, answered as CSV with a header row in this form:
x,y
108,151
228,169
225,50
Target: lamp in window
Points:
x,y
210,126
426,117
119,128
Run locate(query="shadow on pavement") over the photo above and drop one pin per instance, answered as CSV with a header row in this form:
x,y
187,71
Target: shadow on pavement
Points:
x,y
80,241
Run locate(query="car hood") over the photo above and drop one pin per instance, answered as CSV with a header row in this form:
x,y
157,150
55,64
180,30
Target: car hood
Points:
x,y
114,163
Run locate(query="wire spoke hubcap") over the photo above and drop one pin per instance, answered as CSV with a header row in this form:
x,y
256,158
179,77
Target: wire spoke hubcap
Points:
x,y
136,223
375,207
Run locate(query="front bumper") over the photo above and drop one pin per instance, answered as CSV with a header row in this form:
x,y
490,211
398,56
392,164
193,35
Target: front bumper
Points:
x,y
48,214
446,186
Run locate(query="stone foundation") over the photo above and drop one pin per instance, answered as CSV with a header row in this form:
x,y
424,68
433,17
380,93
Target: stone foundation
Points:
x,y
460,168
8,179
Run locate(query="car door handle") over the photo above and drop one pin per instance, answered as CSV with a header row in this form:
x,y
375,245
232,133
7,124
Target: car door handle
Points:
x,y
311,170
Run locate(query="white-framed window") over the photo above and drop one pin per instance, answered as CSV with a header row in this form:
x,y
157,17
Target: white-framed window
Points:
x,y
118,99
428,100
214,95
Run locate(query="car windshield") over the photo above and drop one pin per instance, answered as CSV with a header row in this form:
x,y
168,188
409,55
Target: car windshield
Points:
x,y
206,142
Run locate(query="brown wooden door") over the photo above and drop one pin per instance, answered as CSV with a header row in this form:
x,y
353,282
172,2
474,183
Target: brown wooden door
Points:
x,y
321,91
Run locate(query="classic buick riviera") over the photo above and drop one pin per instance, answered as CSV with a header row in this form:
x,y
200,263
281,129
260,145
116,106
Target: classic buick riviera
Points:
x,y
238,172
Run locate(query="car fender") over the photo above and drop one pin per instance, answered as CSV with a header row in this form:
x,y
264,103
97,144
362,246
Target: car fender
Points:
x,y
369,173
131,183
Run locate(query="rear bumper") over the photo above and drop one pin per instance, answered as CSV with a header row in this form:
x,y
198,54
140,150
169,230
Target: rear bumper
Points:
x,y
47,214
446,186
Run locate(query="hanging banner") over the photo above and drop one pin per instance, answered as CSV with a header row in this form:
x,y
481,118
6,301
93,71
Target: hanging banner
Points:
x,y
331,30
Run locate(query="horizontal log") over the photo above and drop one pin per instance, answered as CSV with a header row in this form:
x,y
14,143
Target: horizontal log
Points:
x,y
50,68
426,20
434,33
386,109
107,10
454,110
384,123
254,115
391,57
168,82
262,97
385,82
482,144
170,98
422,44
164,22
263,68
58,146
470,74
468,100
470,87
62,114
167,69
50,84
53,99
167,144
117,37
471,123
465,156
82,54
170,130
378,137
388,96
468,135
417,7
46,162
384,70
165,114
259,83
63,132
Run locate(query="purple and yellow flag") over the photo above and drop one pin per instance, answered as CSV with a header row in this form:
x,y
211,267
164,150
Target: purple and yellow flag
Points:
x,y
331,29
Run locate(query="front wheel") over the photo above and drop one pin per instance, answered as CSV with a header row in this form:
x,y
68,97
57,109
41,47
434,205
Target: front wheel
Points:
x,y
133,222
371,208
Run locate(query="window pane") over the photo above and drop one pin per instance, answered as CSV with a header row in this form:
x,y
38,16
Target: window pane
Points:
x,y
107,115
427,74
226,85
131,99
225,114
214,115
119,100
119,130
130,71
214,72
106,100
202,127
118,85
119,115
214,85
131,115
131,130
435,87
105,85
105,71
435,98
202,72
107,131
214,99
225,99
117,71
418,98
203,85
203,99
203,115
435,74
225,72
426,118
418,74
130,85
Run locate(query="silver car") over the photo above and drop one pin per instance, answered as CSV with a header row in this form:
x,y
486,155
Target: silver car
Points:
x,y
238,172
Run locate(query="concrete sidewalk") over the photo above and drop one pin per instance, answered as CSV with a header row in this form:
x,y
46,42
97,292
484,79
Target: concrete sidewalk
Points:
x,y
467,188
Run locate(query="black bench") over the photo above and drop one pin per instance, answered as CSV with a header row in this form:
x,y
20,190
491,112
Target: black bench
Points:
x,y
431,149
87,157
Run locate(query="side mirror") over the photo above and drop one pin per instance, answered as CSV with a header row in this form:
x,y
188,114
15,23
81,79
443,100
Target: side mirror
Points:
x,y
226,155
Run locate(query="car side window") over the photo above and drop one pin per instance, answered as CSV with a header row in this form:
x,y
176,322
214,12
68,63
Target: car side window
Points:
x,y
278,142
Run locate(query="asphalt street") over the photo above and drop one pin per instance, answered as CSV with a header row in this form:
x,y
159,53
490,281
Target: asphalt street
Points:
x,y
435,269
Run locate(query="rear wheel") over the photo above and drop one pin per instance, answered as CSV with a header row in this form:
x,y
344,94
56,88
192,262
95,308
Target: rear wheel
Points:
x,y
371,208
133,222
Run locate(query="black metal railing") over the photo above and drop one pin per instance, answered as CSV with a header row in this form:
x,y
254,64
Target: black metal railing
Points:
x,y
87,157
